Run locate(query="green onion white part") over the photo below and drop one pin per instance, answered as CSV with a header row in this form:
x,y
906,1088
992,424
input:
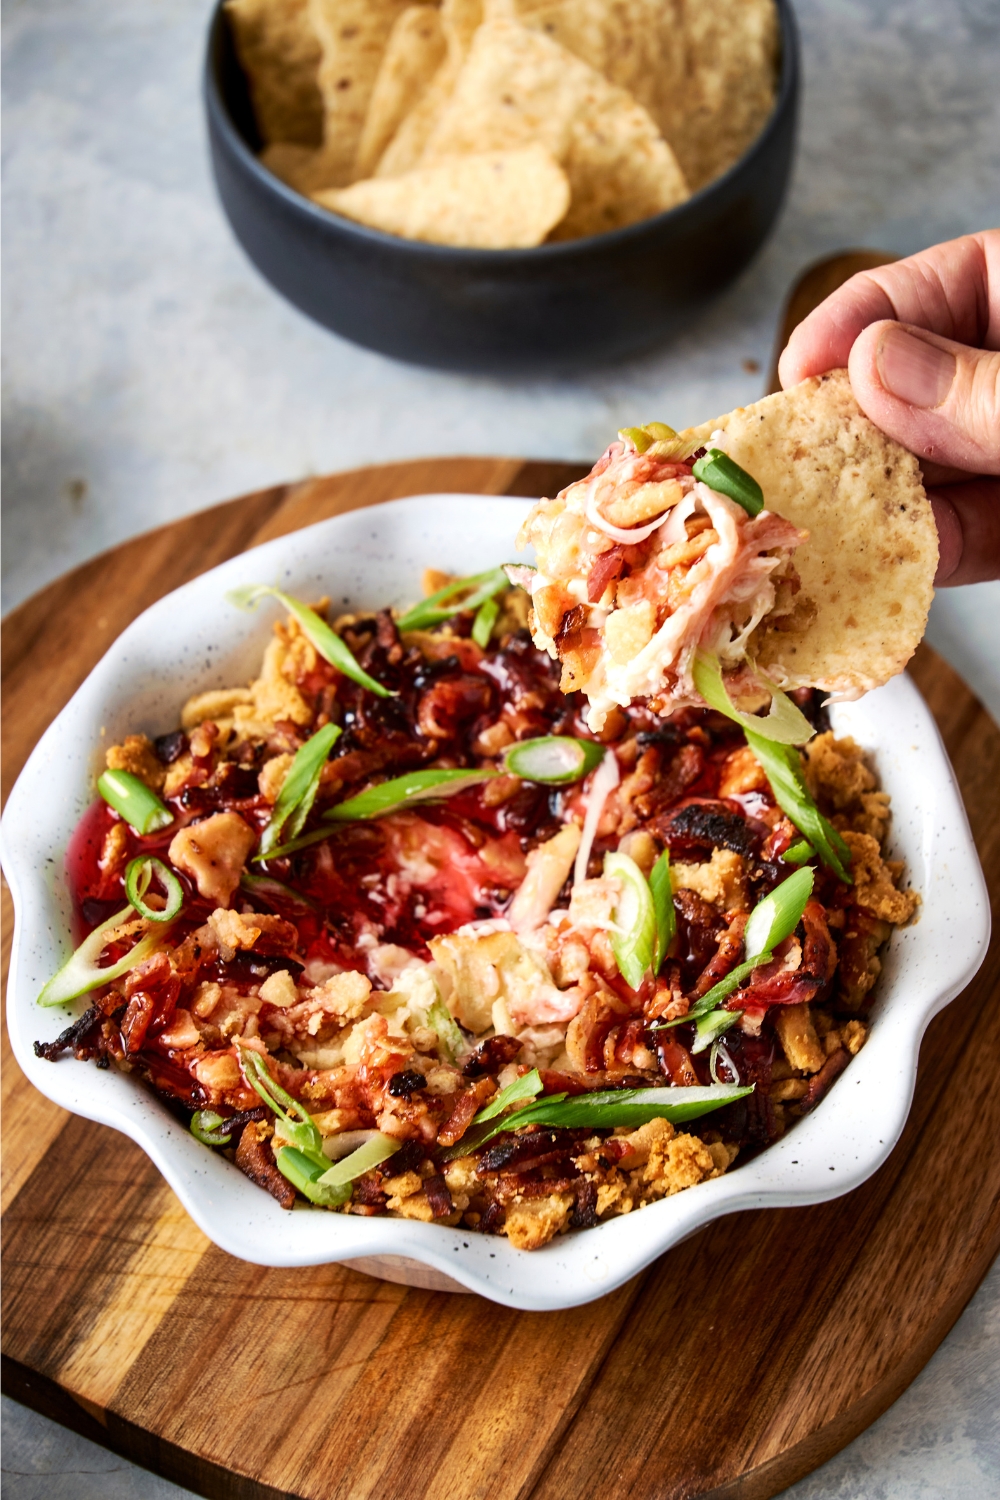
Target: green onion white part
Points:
x,y
633,937
80,973
784,723
606,778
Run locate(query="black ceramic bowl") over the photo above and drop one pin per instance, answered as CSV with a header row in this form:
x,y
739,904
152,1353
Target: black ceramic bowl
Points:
x,y
496,310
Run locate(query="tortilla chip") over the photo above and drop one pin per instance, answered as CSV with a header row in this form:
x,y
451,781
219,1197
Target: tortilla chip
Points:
x,y
353,35
303,168
459,19
518,87
279,52
499,200
413,54
867,570
626,40
728,55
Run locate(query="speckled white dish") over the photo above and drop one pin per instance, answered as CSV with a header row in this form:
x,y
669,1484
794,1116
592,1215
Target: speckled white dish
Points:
x,y
193,640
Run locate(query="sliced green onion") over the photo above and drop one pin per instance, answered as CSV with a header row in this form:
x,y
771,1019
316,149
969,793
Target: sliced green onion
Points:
x,y
326,640
299,788
266,888
662,891
296,1119
554,759
633,937
771,921
783,768
778,915
371,1154
482,625
440,606
710,1026
643,437
799,852
715,996
724,475
80,973
525,1087
610,1108
138,876
784,723
133,800
305,1174
294,845
441,1020
637,436
416,786
209,1128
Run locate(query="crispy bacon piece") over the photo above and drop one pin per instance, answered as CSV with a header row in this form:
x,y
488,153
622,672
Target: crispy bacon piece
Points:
x,y
255,1160
704,825
584,1215
605,569
465,1107
74,1036
438,1196
821,1081
728,955
491,1055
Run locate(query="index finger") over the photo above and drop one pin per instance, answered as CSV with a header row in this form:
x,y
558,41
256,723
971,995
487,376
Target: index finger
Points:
x,y
951,289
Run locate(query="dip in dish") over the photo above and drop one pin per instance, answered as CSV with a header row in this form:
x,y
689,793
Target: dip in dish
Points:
x,y
404,938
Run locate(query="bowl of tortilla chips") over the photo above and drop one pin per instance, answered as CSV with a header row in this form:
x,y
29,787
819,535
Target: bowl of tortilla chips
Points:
x,y
498,185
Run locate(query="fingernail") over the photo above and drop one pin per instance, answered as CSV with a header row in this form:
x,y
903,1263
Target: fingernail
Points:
x,y
919,374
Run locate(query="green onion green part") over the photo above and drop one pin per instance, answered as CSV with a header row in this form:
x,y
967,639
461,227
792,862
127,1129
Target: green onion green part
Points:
x,y
299,788
662,891
80,973
607,1109
139,874
266,888
525,1087
634,935
799,852
783,768
724,475
443,605
326,640
710,1026
371,1154
296,1119
209,1128
778,915
305,1174
715,996
784,723
401,791
482,625
554,759
133,800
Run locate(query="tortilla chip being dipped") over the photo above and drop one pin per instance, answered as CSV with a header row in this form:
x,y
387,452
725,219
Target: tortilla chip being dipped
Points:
x,y
642,563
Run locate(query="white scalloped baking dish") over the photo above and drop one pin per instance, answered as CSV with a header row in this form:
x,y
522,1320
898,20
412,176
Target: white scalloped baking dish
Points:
x,y
192,640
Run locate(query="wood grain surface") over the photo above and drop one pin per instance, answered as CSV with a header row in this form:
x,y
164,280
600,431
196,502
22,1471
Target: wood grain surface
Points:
x,y
735,1364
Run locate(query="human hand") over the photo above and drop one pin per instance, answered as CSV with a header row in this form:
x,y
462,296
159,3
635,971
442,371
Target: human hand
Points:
x,y
921,339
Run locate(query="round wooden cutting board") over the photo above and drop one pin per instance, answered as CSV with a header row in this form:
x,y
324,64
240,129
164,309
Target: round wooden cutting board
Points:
x,y
734,1365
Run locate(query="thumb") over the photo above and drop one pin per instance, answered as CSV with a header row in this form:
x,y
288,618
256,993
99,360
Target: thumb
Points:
x,y
938,398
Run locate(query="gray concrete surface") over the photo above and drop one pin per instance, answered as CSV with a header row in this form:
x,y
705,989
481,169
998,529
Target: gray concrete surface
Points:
x,y
148,372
